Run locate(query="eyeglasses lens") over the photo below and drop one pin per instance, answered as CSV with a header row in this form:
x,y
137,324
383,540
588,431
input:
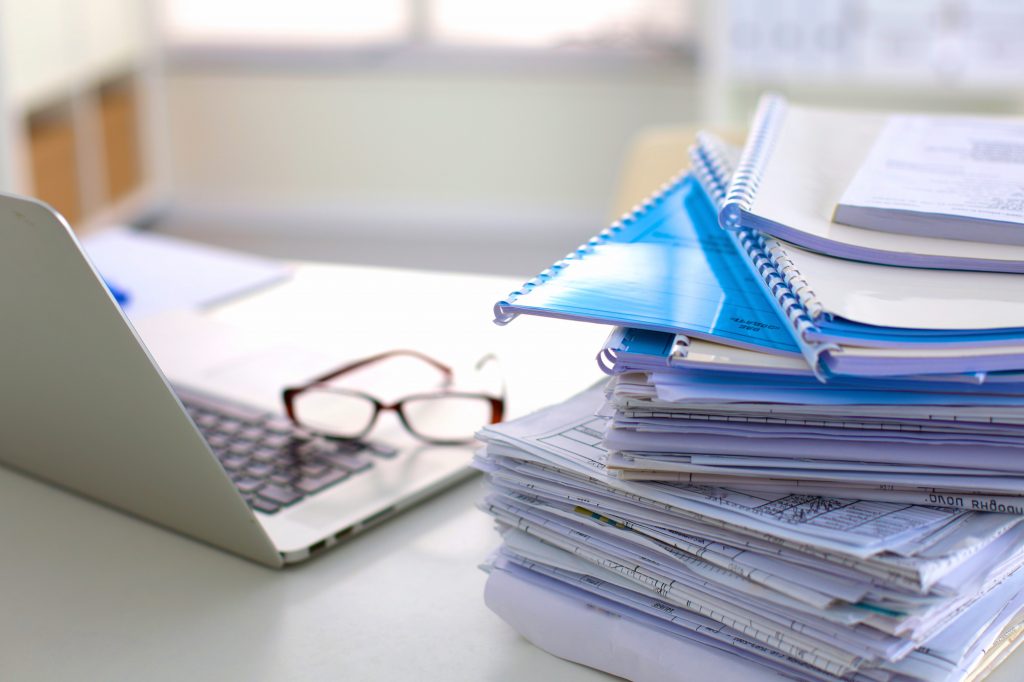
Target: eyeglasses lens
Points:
x,y
447,417
334,412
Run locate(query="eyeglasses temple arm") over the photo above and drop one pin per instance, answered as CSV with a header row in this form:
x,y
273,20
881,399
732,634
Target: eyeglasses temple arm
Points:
x,y
491,357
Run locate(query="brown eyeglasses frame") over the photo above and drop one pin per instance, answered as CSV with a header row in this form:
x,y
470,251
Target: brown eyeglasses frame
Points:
x,y
288,395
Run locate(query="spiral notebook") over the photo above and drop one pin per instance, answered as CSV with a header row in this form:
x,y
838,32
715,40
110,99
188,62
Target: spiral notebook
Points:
x,y
795,167
866,319
666,266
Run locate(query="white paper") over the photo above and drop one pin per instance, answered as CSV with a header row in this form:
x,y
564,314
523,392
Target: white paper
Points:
x,y
948,165
160,273
576,630
798,638
568,615
916,298
570,434
816,154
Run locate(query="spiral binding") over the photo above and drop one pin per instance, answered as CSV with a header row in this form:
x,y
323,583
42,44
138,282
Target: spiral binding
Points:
x,y
711,166
680,347
796,282
717,163
747,177
780,280
503,316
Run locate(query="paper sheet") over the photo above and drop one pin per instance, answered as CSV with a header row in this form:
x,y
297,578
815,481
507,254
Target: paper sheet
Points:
x,y
160,273
947,165
545,595
569,434
589,632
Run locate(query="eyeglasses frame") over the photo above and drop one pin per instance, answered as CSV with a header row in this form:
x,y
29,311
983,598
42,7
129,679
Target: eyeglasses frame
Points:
x,y
289,395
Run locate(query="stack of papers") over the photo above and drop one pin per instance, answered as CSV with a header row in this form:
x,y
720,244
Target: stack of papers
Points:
x,y
807,462
809,587
918,440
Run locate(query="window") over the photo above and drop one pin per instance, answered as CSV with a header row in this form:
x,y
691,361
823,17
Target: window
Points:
x,y
291,23
560,23
527,25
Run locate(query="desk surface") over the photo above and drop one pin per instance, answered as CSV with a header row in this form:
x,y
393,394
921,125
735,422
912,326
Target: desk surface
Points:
x,y
92,594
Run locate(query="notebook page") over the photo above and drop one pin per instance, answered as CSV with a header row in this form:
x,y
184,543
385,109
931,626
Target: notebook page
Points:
x,y
917,298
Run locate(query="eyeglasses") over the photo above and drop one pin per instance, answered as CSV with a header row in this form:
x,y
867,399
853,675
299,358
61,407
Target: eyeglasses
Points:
x,y
441,417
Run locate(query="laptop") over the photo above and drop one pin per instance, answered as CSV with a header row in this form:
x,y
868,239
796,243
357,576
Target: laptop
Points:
x,y
84,406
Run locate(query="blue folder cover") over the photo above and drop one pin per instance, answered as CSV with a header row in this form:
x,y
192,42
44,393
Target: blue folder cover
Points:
x,y
665,267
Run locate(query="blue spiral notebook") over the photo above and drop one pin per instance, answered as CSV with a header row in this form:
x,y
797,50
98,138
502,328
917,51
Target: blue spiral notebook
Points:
x,y
666,266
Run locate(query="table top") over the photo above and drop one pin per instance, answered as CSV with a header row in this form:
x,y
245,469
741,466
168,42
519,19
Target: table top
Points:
x,y
91,593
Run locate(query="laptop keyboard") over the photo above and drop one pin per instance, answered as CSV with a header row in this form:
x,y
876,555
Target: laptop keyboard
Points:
x,y
273,464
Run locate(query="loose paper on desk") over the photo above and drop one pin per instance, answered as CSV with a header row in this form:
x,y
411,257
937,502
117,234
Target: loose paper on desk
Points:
x,y
160,273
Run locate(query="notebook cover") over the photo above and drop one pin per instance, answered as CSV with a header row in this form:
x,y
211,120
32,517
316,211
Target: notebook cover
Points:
x,y
665,267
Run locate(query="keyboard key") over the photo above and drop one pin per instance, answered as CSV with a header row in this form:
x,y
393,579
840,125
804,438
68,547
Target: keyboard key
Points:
x,y
279,426
265,506
234,462
310,485
286,461
284,479
276,440
351,462
313,469
205,420
242,449
308,449
250,434
217,441
248,485
279,494
265,454
229,426
259,470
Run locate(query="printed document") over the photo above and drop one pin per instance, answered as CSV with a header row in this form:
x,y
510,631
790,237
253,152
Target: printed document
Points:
x,y
943,166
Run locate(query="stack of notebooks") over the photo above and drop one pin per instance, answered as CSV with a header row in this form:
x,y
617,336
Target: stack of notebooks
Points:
x,y
808,461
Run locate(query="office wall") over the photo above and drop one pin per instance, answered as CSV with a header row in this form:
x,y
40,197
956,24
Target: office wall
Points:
x,y
507,157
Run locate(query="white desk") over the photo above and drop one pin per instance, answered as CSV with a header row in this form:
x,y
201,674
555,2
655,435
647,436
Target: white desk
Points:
x,y
91,594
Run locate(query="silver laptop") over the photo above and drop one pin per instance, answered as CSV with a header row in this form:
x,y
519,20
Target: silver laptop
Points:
x,y
84,406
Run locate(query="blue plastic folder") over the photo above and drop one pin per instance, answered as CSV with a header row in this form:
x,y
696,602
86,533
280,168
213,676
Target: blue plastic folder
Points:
x,y
665,267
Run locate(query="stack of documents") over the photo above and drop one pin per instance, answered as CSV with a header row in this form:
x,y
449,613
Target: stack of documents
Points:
x,y
809,459
807,587
701,413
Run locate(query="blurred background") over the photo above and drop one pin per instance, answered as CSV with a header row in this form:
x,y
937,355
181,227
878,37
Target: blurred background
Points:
x,y
469,135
